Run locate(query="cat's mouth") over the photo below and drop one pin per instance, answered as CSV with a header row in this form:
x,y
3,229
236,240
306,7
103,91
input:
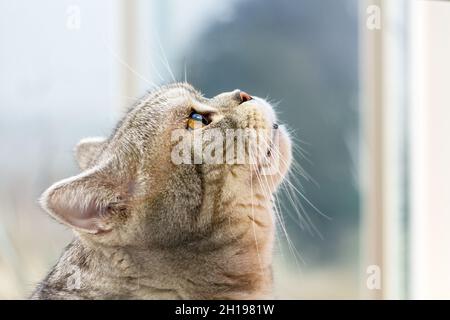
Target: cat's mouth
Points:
x,y
272,158
270,149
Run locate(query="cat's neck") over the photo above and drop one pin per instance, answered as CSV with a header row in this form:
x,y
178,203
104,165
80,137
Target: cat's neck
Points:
x,y
86,272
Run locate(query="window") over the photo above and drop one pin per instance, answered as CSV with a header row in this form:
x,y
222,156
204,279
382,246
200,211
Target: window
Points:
x,y
366,216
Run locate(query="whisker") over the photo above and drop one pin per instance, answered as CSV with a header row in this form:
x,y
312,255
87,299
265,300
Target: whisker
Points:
x,y
164,59
291,190
253,225
126,65
156,70
279,219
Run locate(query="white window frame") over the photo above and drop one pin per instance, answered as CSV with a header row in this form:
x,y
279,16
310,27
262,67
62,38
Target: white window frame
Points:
x,y
396,96
430,150
383,123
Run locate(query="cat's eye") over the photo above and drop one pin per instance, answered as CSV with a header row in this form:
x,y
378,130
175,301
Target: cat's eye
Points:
x,y
196,121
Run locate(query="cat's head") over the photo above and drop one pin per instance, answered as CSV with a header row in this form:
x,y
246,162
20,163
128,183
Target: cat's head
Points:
x,y
150,183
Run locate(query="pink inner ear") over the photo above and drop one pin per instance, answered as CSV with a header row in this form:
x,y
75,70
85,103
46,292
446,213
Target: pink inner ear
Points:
x,y
87,219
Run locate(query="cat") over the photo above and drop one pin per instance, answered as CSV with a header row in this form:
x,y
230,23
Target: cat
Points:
x,y
148,228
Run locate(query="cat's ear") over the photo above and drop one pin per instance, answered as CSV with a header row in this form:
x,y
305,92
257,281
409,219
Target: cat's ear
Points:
x,y
87,150
84,202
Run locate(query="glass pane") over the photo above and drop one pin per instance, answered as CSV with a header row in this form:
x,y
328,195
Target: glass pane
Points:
x,y
58,84
303,55
55,88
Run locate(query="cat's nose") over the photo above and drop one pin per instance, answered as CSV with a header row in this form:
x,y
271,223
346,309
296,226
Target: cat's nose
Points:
x,y
244,96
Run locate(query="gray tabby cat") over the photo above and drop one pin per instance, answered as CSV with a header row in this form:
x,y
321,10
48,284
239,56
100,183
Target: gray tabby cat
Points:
x,y
148,228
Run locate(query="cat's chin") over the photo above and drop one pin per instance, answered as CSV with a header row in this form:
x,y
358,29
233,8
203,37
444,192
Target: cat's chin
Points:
x,y
284,150
277,159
